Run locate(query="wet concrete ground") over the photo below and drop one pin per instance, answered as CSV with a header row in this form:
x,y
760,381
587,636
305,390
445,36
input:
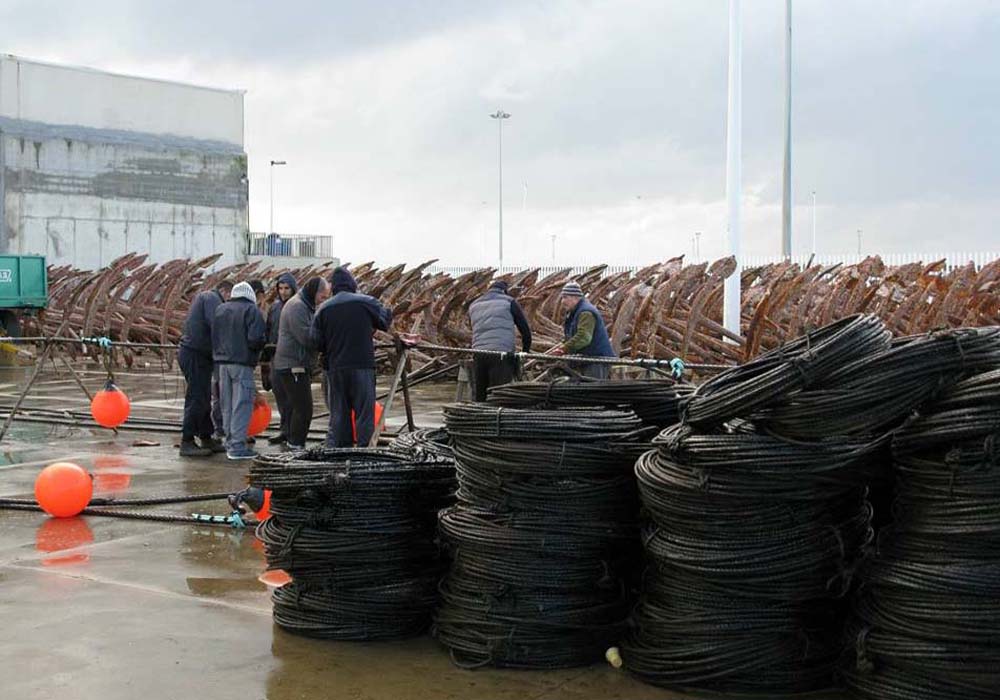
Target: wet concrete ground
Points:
x,y
107,608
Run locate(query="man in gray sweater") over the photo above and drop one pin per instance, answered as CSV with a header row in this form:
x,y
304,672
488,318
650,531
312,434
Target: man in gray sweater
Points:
x,y
294,358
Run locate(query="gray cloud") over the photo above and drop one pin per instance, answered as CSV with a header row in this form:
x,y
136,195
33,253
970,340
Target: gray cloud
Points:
x,y
618,123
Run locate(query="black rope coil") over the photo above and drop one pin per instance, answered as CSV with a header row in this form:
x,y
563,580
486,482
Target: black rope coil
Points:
x,y
778,374
927,622
655,401
543,538
875,393
354,528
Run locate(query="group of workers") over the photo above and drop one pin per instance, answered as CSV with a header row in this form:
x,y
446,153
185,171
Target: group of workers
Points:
x,y
226,336
496,316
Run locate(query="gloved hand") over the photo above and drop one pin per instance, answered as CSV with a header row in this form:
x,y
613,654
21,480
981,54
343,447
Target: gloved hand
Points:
x,y
265,376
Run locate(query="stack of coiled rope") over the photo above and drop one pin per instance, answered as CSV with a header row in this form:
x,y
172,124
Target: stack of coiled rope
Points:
x,y
927,624
543,537
753,537
354,528
655,401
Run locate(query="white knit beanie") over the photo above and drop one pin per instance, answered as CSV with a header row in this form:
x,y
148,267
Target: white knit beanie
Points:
x,y
243,290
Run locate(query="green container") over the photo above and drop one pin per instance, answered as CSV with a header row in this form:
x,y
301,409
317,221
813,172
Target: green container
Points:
x,y
24,282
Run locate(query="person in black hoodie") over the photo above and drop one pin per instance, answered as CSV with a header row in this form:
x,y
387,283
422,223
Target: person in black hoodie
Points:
x,y
342,330
287,287
195,360
238,336
295,357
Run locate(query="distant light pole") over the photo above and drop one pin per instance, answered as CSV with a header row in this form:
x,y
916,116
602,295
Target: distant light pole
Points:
x,y
813,251
731,303
859,242
553,247
500,115
697,246
786,174
273,163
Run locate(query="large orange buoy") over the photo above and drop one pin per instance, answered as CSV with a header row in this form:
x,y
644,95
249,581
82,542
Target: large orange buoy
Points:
x,y
354,425
63,489
261,416
110,407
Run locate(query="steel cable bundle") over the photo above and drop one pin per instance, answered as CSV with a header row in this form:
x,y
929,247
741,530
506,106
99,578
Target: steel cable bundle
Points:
x,y
543,537
927,622
354,528
430,441
753,542
655,401
778,374
874,393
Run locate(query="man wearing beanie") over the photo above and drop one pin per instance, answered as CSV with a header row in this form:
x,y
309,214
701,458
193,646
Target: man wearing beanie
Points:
x,y
342,330
494,316
285,287
238,336
584,331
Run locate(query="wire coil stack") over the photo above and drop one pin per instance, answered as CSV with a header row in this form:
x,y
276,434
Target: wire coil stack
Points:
x,y
927,623
542,537
655,401
354,528
753,537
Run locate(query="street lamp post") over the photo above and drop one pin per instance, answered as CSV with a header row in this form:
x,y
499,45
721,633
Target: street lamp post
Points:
x,y
786,174
500,115
734,166
859,243
273,163
697,246
553,247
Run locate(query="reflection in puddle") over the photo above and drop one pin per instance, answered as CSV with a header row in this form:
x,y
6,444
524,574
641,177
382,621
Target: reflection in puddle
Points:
x,y
112,475
60,534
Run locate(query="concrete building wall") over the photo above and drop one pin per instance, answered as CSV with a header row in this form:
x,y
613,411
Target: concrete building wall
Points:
x,y
96,165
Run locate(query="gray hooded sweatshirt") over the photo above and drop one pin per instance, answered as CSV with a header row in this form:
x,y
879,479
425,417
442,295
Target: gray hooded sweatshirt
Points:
x,y
294,346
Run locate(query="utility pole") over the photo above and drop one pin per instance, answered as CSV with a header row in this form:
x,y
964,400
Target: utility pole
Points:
x,y
697,246
273,163
813,251
500,115
553,248
734,129
786,171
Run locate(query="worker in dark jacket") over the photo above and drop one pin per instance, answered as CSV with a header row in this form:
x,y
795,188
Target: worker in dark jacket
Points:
x,y
238,336
294,359
584,331
195,360
494,316
286,289
342,330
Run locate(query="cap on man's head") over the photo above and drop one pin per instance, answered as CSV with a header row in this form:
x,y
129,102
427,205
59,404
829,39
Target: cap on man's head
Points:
x,y
572,289
500,286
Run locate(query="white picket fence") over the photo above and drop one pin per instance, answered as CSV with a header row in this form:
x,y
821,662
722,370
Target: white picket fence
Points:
x,y
952,260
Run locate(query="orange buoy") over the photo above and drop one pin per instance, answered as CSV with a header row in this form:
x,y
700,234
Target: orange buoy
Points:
x,y
265,510
110,407
63,489
354,425
261,416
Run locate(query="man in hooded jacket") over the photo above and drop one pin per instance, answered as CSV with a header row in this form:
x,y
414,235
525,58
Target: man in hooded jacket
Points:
x,y
238,336
294,358
287,287
342,330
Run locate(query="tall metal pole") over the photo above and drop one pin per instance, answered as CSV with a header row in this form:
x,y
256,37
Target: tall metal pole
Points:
x,y
500,115
697,246
734,127
273,163
553,247
786,173
813,251
859,242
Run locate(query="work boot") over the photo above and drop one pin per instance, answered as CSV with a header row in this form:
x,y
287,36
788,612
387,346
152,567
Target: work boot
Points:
x,y
189,448
214,444
277,439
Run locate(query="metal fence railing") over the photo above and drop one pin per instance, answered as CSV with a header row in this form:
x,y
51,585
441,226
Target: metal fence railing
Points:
x,y
952,261
290,246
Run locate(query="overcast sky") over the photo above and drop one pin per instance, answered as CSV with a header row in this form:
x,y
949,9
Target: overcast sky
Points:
x,y
616,143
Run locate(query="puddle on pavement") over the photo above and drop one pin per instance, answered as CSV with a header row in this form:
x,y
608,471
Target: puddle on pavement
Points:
x,y
57,535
